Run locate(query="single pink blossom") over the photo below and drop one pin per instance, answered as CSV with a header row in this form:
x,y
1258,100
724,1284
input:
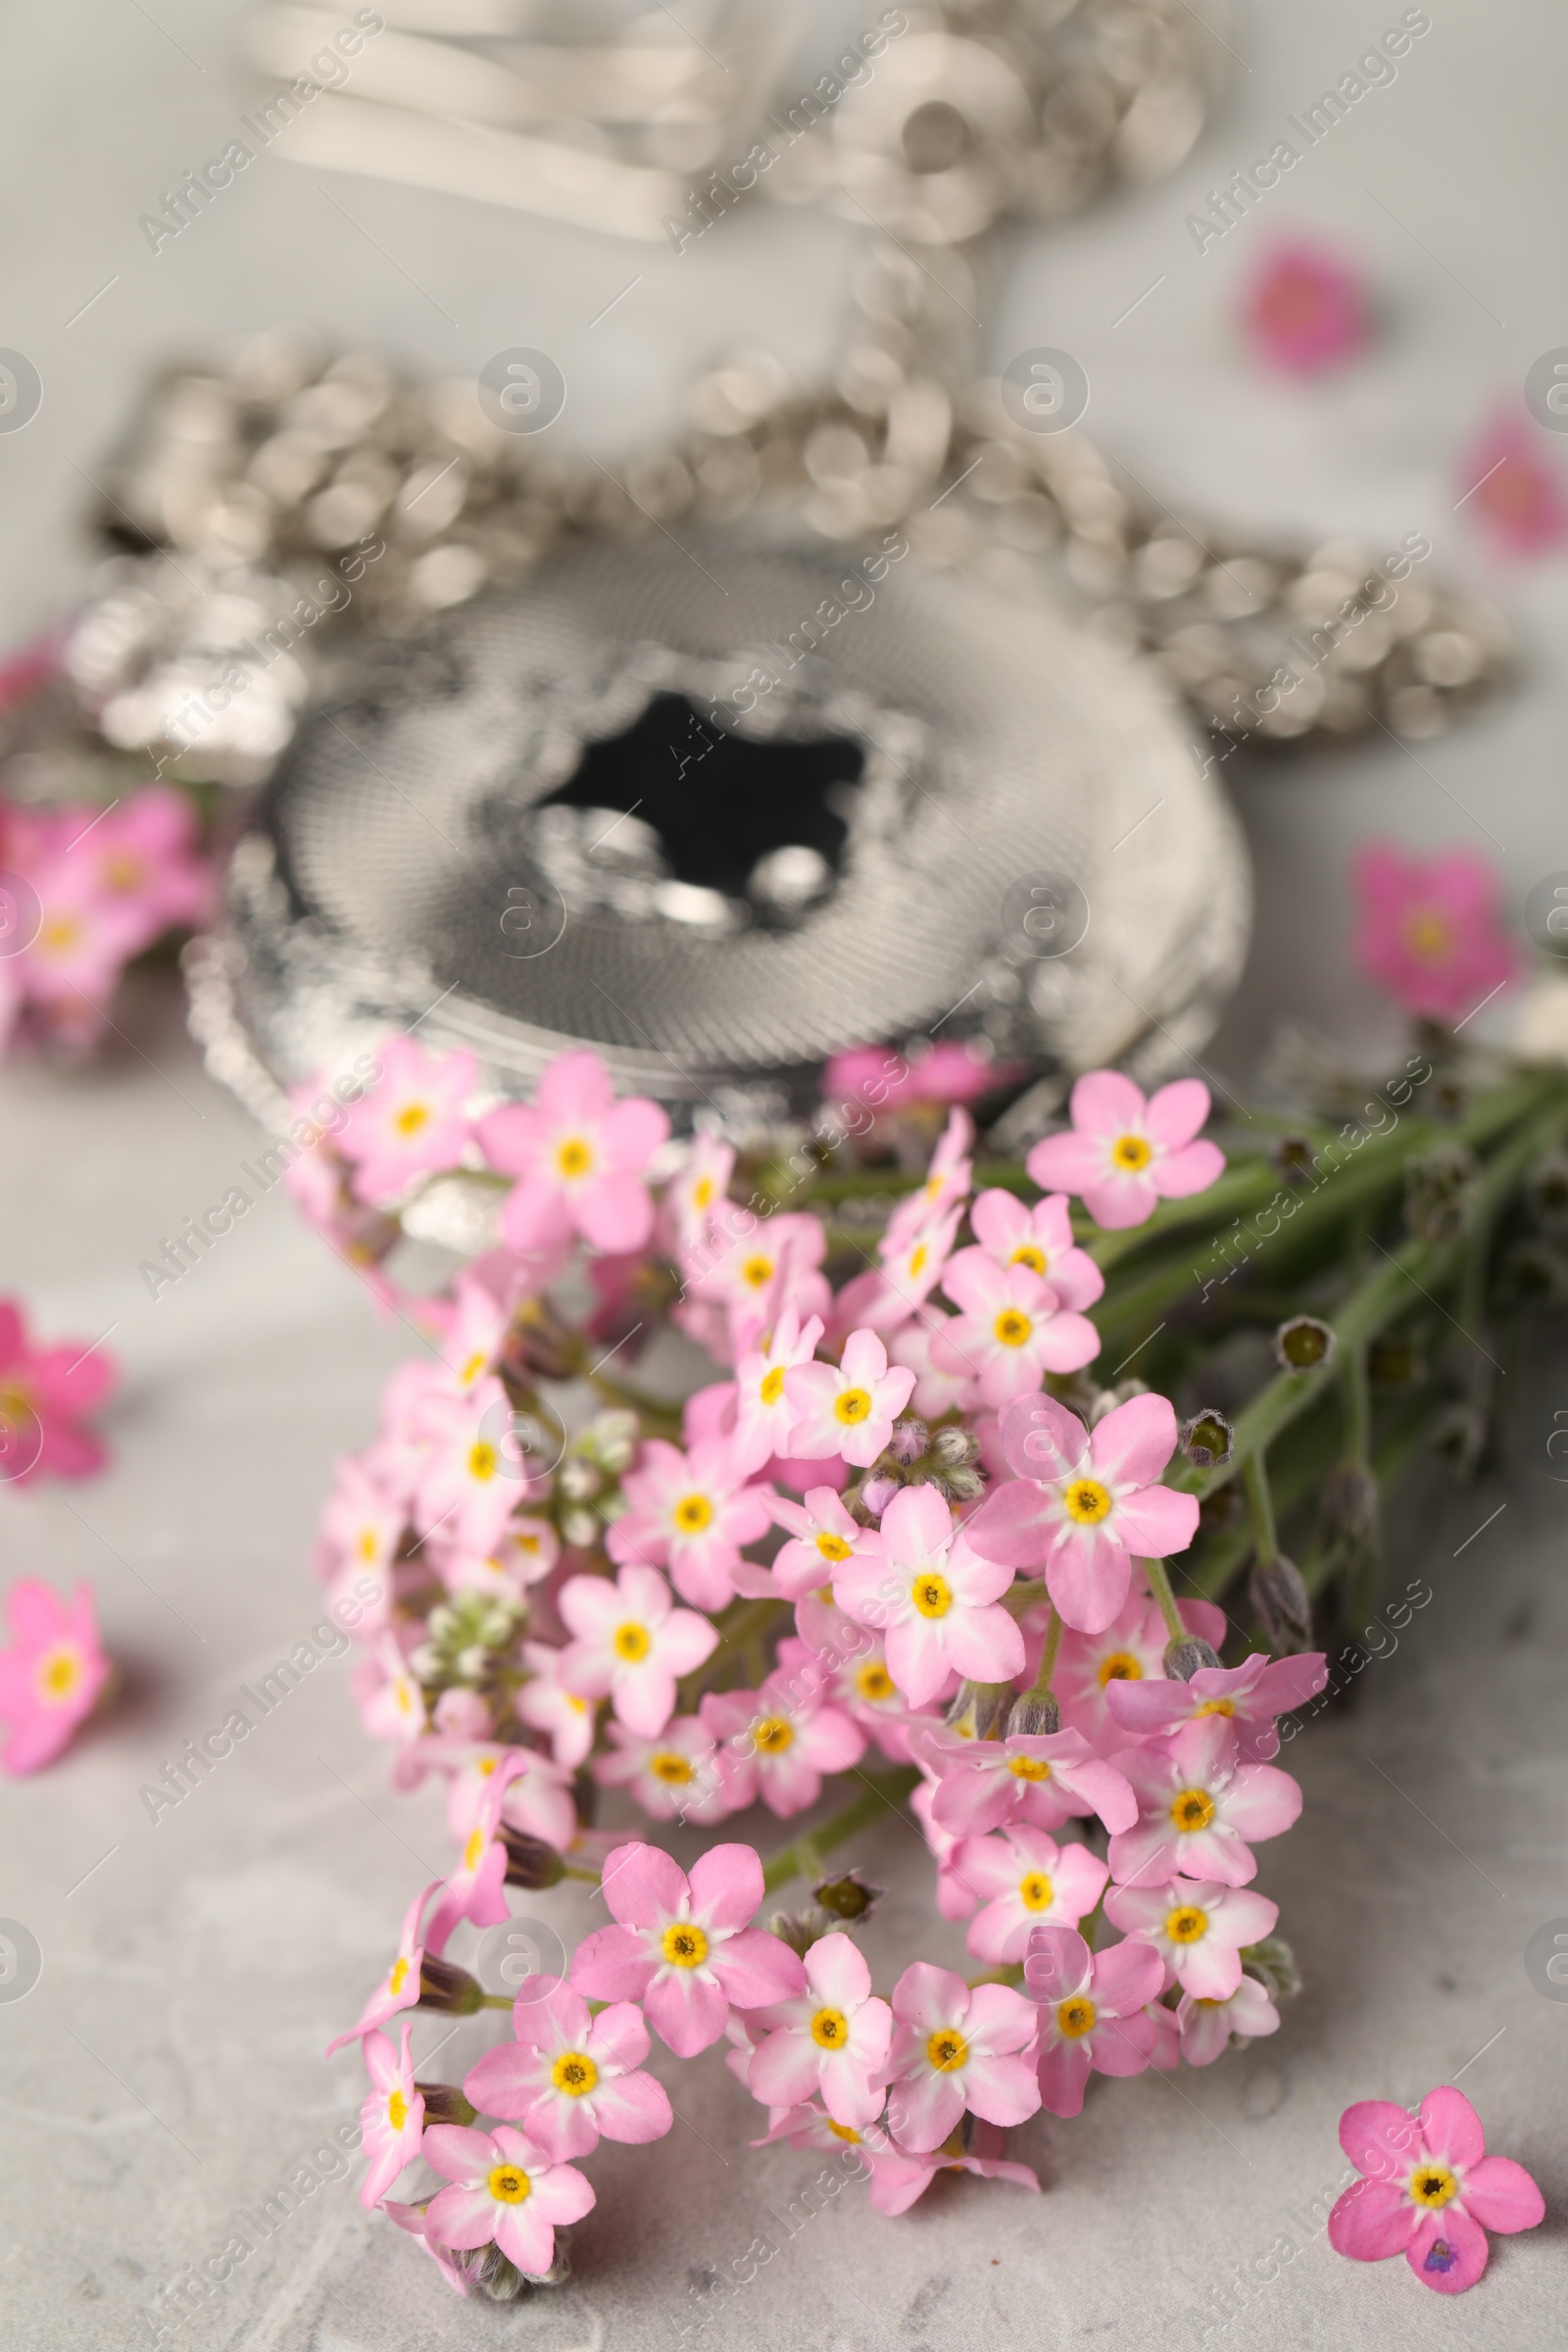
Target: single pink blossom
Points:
x,y
85,936
579,1156
847,1409
684,1948
933,1597
1306,311
1012,1331
1510,482
570,2076
697,1192
51,1675
1199,1927
953,2048
692,1514
1198,1807
947,1182
1429,2190
392,2118
45,1395
1022,1879
631,1644
475,1888
1125,1155
765,1417
505,2188
1250,1696
399,1989
391,1700
1038,1239
361,1522
1429,931
1091,2013
674,1775
938,1390
830,2041
1208,2023
1131,1649
1083,1504
471,1478
1044,1778
411,1121
545,1704
913,1261
777,1742
823,1538
537,1801
146,854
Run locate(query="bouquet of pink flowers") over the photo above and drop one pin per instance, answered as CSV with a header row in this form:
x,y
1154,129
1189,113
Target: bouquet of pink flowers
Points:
x,y
902,1535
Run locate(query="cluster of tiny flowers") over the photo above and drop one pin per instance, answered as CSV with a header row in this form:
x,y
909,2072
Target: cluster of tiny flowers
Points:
x,y
881,1524
83,891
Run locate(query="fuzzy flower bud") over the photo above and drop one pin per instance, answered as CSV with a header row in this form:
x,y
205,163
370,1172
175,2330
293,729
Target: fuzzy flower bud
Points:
x,y
530,1862
1207,1439
1035,1716
1273,1963
580,1481
444,2103
1284,1611
955,1448
447,1988
581,1529
910,1441
1303,1343
878,1493
1183,1659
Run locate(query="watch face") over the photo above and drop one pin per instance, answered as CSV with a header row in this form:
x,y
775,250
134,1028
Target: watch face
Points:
x,y
723,809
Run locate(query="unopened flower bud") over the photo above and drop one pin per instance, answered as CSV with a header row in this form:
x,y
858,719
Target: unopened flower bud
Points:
x,y
1035,1716
846,1898
1109,1399
1348,1506
976,1708
472,1662
1207,1439
580,1481
580,1529
1293,1156
961,1485
1185,1658
910,1441
799,1933
444,1986
1303,1343
1284,1611
1273,1963
442,1622
444,2103
1438,1192
425,1662
878,1493
1547,1189
530,1862
1393,1364
955,1448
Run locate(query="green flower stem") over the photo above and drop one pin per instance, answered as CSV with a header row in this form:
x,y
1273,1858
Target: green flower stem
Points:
x,y
1047,1656
1388,1292
1260,1502
888,1789
1159,1576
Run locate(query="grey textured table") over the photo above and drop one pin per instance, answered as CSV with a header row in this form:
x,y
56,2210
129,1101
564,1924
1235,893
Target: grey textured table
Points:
x,y
165,2069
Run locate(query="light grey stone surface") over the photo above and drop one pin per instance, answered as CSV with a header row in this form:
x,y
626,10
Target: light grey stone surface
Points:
x,y
166,2068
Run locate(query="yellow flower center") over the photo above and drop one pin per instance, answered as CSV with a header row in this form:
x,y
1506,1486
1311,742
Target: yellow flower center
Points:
x,y
874,1682
675,1771
772,1387
931,1594
685,1946
774,1734
1428,934
947,2050
1217,1706
474,1849
369,1545
473,1368
844,2132
1086,1500
851,1405
1027,1254
917,1262
1121,1667
574,2072
123,872
1192,1810
1075,2017
833,1547
632,1641
1433,2184
1132,1151
756,1272
60,934
1012,1328
399,1974
482,1460
509,2184
1029,1768
573,1157
412,1117
702,1192
1035,1891
693,1513
830,2029
397,2110
1186,1923
59,1672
